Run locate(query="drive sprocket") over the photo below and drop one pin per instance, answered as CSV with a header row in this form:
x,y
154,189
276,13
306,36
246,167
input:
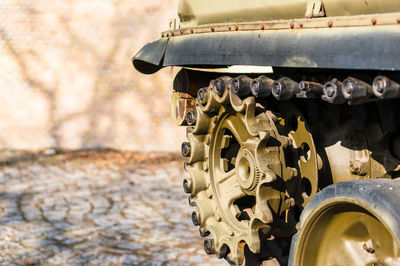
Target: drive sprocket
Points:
x,y
238,177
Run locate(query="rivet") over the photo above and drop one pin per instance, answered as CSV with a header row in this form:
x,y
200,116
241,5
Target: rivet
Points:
x,y
330,24
292,25
236,27
263,27
212,29
373,21
229,28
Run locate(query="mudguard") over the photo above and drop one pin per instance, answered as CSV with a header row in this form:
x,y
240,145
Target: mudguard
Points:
x,y
369,48
380,196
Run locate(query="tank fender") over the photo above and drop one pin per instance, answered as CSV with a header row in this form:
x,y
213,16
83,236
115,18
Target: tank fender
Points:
x,y
380,195
332,48
149,59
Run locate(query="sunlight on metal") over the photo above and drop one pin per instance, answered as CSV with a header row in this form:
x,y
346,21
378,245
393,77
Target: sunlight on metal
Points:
x,y
237,69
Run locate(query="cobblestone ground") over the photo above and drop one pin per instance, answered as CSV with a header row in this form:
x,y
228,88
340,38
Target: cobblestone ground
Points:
x,y
103,208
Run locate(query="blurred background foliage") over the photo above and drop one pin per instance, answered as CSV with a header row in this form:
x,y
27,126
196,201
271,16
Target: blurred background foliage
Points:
x,y
66,78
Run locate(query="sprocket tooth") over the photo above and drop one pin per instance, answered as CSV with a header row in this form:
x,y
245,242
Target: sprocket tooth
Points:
x,y
238,104
217,232
210,105
254,242
248,106
197,179
202,122
205,209
197,148
236,256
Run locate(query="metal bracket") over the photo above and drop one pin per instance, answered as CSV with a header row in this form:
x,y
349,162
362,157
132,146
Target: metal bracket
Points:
x,y
172,24
315,8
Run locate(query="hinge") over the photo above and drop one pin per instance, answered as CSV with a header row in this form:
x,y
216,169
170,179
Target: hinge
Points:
x,y
315,8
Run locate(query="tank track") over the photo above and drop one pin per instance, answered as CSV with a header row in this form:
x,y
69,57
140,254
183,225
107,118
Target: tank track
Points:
x,y
282,114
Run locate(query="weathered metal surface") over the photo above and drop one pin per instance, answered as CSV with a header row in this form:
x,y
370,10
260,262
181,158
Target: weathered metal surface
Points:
x,y
235,157
149,58
261,148
194,12
358,233
255,161
372,47
282,24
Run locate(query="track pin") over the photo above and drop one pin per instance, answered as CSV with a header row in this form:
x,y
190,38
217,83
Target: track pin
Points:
x,y
261,87
191,118
196,218
219,85
241,86
187,185
385,88
310,89
284,88
185,149
355,89
202,95
333,92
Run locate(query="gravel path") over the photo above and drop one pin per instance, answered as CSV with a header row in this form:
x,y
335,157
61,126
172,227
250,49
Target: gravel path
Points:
x,y
104,208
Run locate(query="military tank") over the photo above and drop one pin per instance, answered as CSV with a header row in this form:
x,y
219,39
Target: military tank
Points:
x,y
291,110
